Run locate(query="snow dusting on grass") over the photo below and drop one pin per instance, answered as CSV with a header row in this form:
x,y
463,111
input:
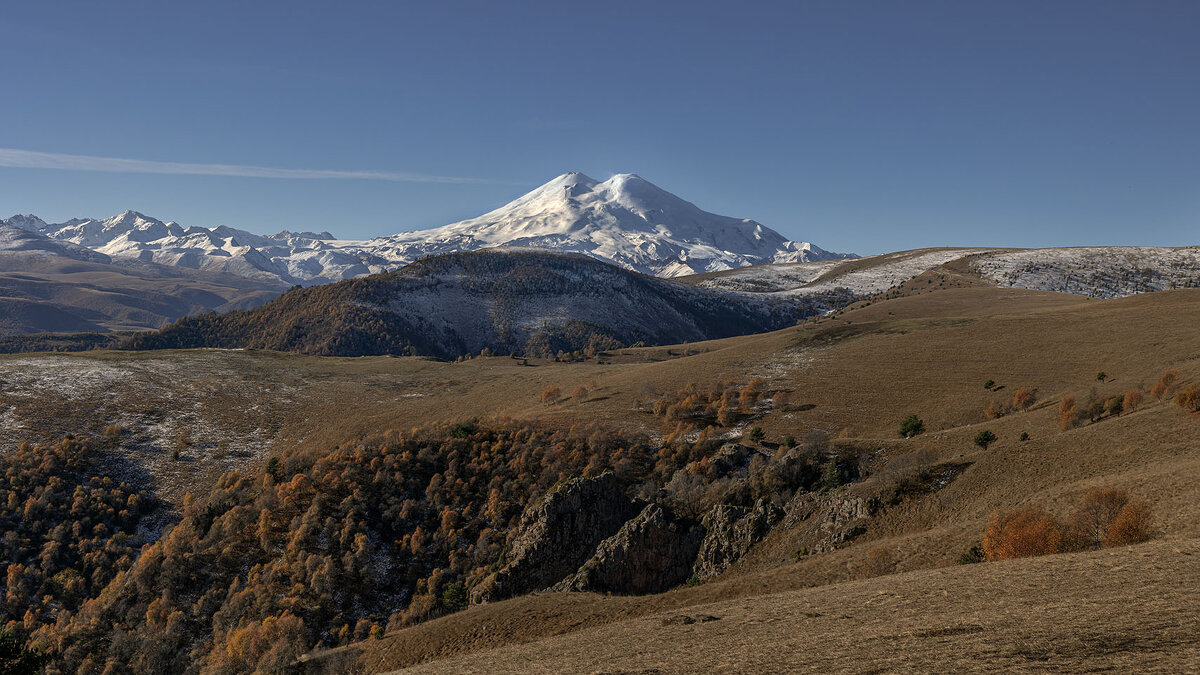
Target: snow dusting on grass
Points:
x,y
1099,272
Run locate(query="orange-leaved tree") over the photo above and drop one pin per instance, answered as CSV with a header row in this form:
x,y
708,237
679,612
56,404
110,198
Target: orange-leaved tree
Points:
x,y
1022,533
1023,398
1165,384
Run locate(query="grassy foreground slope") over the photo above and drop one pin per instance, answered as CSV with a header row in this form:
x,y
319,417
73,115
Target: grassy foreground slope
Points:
x,y
864,370
1124,610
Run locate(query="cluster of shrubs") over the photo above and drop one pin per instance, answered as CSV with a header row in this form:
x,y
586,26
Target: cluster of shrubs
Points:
x,y
315,550
1168,386
906,474
1072,414
1022,399
722,404
1106,517
1169,383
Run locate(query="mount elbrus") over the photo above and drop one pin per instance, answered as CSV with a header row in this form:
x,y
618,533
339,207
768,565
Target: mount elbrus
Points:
x,y
625,220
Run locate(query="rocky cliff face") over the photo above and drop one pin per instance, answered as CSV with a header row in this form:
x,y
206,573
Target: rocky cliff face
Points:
x,y
829,520
730,531
587,535
557,535
649,554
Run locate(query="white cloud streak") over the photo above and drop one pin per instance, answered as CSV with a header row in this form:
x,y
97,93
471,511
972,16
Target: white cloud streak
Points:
x,y
29,159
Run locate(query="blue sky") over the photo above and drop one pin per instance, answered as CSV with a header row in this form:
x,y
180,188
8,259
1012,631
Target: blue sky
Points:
x,y
860,126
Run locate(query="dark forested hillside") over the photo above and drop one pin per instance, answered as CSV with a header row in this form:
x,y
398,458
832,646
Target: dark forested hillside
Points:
x,y
318,549
309,551
510,301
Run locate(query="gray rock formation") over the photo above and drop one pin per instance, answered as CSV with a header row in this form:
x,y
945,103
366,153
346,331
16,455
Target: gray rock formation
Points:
x,y
730,531
831,519
649,554
557,535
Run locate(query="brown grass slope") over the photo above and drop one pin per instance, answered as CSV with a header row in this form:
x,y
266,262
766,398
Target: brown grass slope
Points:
x,y
866,369
1072,613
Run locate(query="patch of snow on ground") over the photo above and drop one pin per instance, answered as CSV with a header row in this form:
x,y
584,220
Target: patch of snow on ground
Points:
x,y
771,278
1099,272
860,276
892,270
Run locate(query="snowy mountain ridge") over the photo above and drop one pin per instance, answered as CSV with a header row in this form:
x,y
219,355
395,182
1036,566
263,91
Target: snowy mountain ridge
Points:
x,y
625,220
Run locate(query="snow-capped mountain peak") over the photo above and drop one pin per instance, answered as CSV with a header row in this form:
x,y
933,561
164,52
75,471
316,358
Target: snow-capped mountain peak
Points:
x,y
27,222
625,220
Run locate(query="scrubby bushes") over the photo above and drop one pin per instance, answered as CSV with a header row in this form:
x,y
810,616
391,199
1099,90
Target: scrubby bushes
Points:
x,y
1106,517
1165,385
971,556
1071,414
739,475
1189,398
723,404
1022,533
906,474
879,562
551,395
1068,414
1024,398
1131,400
984,438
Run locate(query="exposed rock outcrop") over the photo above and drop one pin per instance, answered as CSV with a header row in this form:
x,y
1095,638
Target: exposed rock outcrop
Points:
x,y
732,458
649,554
829,520
730,531
557,535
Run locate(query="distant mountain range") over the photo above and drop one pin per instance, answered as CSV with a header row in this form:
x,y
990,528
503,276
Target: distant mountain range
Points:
x,y
625,220
132,272
48,285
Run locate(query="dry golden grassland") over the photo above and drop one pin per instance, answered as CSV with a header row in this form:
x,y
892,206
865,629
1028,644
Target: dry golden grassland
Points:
x,y
1122,610
855,374
1131,608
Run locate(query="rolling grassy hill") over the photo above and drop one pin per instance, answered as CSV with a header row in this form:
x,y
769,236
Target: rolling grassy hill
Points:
x,y
518,301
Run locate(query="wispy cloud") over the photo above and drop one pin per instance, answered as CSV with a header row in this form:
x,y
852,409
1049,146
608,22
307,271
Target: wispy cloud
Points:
x,y
29,159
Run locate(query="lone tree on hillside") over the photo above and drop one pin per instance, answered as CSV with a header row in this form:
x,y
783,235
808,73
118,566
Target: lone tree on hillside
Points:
x,y
911,426
1023,398
551,395
1133,398
1166,383
985,438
